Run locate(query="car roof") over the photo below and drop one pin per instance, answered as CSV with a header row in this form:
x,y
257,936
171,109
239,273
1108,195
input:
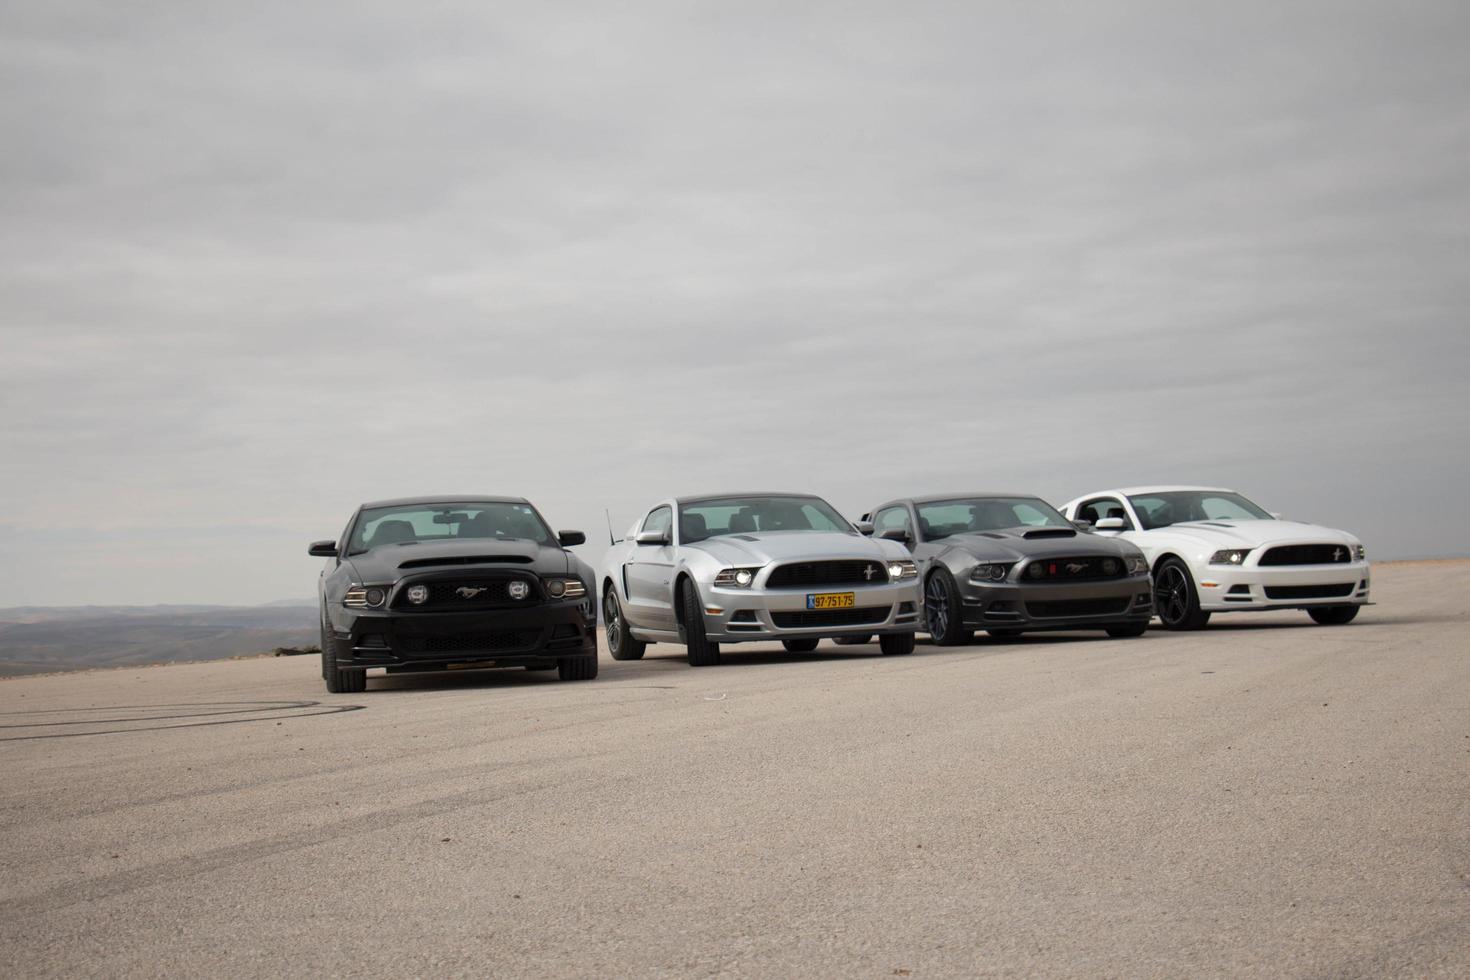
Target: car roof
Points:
x,y
468,498
1160,489
934,498
681,501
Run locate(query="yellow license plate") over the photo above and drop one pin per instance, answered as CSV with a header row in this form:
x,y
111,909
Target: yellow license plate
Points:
x,y
831,600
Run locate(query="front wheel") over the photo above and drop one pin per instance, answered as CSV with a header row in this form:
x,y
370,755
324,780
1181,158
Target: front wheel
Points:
x,y
339,681
1334,615
576,668
701,652
1175,598
1132,629
896,644
942,610
620,641
799,646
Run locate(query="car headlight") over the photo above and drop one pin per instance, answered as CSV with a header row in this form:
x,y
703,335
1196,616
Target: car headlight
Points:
x,y
1361,552
365,596
991,571
735,578
565,588
902,569
1230,556
1137,565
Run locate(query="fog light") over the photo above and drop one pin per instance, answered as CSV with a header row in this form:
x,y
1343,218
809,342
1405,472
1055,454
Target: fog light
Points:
x,y
518,589
418,594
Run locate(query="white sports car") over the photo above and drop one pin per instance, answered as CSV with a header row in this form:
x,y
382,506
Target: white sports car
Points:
x,y
1212,550
737,568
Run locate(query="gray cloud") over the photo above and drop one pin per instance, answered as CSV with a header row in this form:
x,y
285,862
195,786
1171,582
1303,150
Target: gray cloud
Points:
x,y
259,265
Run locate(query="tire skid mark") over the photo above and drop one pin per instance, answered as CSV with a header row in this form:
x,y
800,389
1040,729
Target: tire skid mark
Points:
x,y
176,869
263,710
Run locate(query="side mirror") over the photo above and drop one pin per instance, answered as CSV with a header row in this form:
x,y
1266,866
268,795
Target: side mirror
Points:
x,y
568,538
652,537
896,534
322,549
1109,524
1082,524
864,527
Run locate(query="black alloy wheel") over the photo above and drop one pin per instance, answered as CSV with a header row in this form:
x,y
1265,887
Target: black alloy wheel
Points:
x,y
620,643
1175,600
942,610
701,652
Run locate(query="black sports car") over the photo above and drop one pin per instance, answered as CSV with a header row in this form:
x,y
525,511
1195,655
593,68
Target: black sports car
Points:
x,y
1009,564
435,583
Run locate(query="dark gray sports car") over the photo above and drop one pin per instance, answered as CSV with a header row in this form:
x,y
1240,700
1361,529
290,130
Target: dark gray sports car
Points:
x,y
1009,564
430,583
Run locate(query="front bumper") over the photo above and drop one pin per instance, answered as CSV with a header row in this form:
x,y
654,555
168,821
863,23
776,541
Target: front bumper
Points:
x,y
745,615
1223,588
1057,605
538,635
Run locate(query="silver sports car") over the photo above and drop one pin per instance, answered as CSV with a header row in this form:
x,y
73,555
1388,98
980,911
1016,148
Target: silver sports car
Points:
x,y
737,568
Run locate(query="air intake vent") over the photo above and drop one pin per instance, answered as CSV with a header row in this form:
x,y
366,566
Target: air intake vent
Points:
x,y
465,560
1050,532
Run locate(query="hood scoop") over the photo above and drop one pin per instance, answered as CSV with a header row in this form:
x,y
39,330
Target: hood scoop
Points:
x,y
992,534
465,560
742,537
1214,524
1049,532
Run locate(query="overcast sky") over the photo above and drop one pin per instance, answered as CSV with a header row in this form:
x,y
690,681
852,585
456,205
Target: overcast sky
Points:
x,y
261,262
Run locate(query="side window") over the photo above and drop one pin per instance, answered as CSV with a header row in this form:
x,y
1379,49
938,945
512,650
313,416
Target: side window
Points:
x,y
1095,510
659,519
890,518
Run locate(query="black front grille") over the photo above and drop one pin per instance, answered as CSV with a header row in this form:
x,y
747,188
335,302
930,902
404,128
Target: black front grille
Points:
x,y
822,573
817,618
481,593
1307,554
1062,608
468,642
1074,569
1308,591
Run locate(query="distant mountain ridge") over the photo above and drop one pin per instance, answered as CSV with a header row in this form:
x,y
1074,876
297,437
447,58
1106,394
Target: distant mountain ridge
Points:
x,y
42,639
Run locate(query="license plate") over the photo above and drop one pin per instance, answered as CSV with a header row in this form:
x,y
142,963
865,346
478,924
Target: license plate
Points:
x,y
831,600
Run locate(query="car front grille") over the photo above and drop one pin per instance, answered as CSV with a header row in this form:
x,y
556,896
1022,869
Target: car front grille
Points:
x,y
480,593
1091,568
1063,608
816,619
468,642
822,573
1308,591
1307,554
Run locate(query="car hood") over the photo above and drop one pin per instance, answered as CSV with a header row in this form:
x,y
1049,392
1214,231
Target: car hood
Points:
x,y
1015,544
1252,534
385,563
761,548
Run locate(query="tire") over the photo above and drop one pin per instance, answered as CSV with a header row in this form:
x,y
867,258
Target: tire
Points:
x,y
853,641
339,681
942,611
799,646
702,653
1132,629
576,668
1004,634
1176,600
896,644
1334,615
620,642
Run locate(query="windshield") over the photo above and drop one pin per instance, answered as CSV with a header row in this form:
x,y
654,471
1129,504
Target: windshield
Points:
x,y
405,523
1178,506
942,518
744,515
